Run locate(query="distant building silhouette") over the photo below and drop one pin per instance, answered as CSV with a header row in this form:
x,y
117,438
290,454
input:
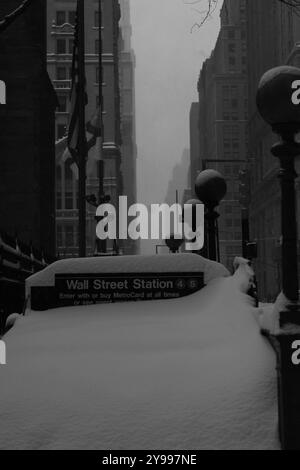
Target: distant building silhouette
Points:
x,y
180,179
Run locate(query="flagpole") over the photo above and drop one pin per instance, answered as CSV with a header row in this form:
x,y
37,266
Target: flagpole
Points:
x,y
101,244
101,164
82,147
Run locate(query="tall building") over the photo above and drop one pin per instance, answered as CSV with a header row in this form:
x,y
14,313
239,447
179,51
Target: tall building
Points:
x,y
128,130
194,145
273,39
223,112
61,20
27,163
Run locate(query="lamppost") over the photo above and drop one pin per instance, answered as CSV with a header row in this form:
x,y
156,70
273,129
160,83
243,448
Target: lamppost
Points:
x,y
278,108
174,243
274,101
210,188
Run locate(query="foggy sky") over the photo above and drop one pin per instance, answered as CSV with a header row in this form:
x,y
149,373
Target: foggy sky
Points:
x,y
168,61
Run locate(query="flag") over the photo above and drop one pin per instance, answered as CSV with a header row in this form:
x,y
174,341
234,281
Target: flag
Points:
x,y
73,131
93,133
8,19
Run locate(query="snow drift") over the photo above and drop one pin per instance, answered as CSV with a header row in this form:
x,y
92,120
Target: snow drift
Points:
x,y
130,264
190,373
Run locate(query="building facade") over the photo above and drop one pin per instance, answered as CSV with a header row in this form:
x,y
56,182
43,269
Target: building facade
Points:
x,y
61,21
194,146
223,113
27,163
273,40
128,129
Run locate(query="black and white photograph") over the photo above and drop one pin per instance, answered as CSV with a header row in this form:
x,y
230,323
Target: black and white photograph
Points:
x,y
149,228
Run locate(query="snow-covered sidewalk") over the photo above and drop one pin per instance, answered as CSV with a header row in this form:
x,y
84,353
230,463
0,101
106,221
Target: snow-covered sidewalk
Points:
x,y
190,373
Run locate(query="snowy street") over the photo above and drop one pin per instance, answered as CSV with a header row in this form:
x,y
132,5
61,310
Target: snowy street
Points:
x,y
190,373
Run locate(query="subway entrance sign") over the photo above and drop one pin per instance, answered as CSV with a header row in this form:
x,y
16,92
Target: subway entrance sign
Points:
x,y
85,289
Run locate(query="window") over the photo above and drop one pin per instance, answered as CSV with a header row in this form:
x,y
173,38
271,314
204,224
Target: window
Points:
x,y
97,101
62,100
58,201
61,73
97,74
97,46
61,46
60,18
231,34
69,235
69,200
96,19
69,173
59,235
231,47
228,223
72,17
71,46
60,130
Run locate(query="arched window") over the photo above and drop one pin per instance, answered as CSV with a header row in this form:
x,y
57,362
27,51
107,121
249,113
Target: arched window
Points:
x,y
68,171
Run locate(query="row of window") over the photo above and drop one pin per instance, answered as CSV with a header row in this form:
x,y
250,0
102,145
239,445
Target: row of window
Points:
x,y
69,202
64,72
65,46
69,16
67,236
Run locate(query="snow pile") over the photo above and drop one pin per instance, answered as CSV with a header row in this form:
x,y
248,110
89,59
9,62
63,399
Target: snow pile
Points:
x,y
130,264
188,373
269,315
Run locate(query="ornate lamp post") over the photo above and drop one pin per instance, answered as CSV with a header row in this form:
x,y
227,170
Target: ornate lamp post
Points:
x,y
278,108
274,101
211,188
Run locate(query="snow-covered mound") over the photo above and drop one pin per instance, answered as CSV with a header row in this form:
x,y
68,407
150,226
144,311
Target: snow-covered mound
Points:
x,y
130,264
190,373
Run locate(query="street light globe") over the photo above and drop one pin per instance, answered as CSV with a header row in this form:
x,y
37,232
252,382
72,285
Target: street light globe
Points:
x,y
276,97
210,187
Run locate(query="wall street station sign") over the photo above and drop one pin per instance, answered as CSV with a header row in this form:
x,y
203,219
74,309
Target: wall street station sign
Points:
x,y
86,289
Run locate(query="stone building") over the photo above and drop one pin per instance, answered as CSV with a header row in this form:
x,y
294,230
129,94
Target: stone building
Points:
x,y
273,39
61,21
27,134
223,113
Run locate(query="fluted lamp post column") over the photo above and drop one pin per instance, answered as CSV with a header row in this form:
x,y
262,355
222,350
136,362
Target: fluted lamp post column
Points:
x,y
210,188
274,102
278,108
